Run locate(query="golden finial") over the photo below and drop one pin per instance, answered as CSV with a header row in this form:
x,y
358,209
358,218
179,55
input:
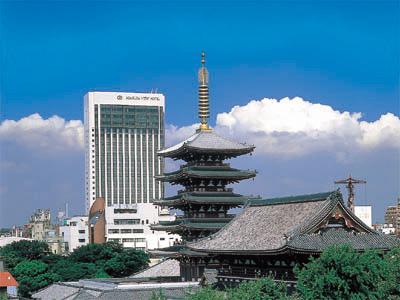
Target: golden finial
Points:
x,y
203,58
204,112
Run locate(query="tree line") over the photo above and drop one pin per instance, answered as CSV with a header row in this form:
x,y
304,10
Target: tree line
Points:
x,y
339,273
35,267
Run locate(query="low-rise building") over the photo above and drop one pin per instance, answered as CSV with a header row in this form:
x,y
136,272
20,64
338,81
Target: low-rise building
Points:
x,y
40,222
74,232
8,284
391,215
364,213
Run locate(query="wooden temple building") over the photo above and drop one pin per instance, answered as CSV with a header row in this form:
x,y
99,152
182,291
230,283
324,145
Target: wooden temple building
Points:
x,y
269,237
205,199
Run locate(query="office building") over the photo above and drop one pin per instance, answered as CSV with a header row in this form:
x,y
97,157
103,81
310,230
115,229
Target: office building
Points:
x,y
123,132
74,232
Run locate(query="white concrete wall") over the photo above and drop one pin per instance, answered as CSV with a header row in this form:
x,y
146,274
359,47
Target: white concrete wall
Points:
x,y
364,213
146,214
70,232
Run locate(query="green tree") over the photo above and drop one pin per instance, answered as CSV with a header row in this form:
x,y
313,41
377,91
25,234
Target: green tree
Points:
x,y
69,270
342,273
392,259
260,289
126,263
96,253
17,252
32,276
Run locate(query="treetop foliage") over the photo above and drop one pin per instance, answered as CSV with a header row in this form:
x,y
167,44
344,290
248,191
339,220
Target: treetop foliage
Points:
x,y
343,273
35,267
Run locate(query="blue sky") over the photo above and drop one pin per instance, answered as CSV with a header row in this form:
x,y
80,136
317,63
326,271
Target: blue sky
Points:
x,y
54,52
343,54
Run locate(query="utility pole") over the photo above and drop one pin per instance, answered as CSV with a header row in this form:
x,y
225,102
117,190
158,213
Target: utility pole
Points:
x,y
350,182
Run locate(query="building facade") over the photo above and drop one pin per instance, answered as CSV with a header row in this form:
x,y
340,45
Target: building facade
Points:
x,y
74,232
123,132
364,213
40,222
391,215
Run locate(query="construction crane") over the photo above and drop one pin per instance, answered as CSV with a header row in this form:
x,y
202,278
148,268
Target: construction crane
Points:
x,y
350,182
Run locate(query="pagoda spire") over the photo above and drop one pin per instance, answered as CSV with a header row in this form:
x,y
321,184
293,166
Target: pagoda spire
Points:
x,y
204,107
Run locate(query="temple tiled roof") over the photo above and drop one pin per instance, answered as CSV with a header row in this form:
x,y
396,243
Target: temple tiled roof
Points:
x,y
281,224
207,141
203,197
115,289
335,236
166,268
217,172
57,291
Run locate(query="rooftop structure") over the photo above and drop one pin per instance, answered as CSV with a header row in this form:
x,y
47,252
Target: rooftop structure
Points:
x,y
5,240
270,236
205,199
350,182
167,269
114,288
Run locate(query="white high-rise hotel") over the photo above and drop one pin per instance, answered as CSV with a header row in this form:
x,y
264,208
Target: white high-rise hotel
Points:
x,y
123,132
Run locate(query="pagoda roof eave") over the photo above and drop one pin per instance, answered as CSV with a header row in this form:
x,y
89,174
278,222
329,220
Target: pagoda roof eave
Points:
x,y
204,198
207,142
189,149
207,173
182,202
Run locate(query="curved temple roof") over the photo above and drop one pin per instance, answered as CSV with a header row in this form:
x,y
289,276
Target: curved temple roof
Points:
x,y
204,197
207,142
292,224
207,172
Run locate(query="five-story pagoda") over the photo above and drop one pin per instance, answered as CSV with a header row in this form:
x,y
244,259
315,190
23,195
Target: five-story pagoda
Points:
x,y
205,199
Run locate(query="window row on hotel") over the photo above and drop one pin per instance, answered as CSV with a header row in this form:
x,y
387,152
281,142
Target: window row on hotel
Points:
x,y
126,160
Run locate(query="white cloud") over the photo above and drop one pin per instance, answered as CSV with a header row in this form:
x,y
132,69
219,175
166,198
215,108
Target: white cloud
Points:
x,y
385,131
296,127
47,135
174,134
288,127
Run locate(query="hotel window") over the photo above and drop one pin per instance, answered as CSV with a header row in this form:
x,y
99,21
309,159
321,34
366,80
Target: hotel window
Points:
x,y
126,221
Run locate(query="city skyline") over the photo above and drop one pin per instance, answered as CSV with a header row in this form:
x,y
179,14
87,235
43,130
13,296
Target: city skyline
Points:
x,y
322,117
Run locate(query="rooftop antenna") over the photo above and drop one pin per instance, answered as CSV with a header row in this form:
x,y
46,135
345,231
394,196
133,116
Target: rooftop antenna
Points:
x,y
350,182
